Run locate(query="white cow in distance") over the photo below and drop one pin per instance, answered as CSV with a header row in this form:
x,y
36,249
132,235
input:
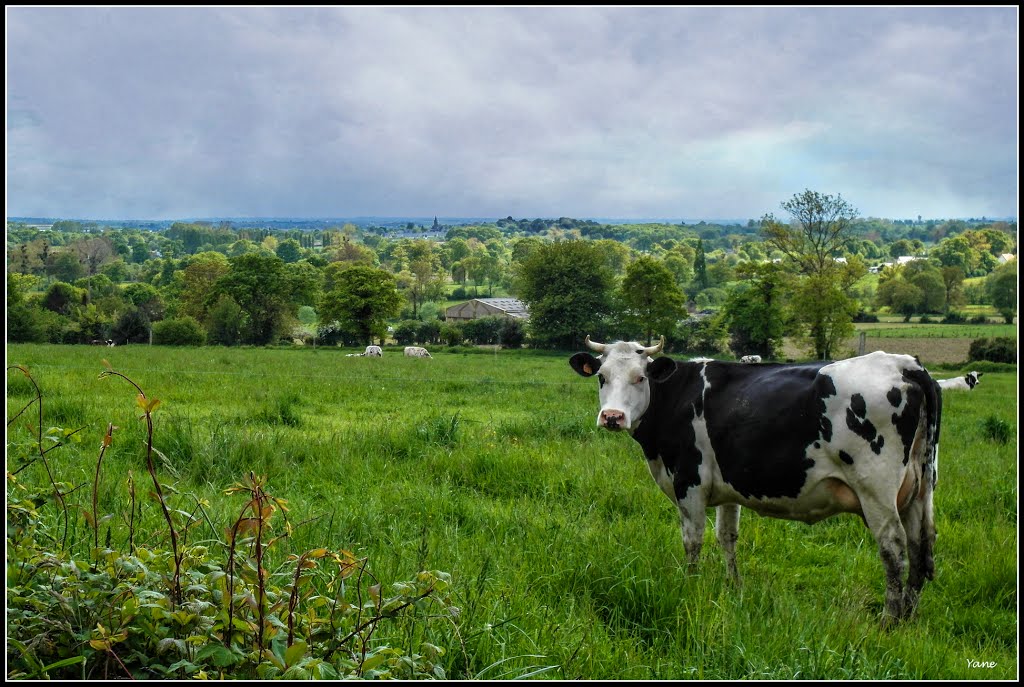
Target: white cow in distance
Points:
x,y
373,352
750,359
416,352
965,383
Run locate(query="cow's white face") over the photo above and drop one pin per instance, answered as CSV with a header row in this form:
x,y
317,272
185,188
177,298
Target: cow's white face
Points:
x,y
621,371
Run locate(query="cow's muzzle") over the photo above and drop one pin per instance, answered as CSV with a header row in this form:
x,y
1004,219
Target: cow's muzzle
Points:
x,y
612,419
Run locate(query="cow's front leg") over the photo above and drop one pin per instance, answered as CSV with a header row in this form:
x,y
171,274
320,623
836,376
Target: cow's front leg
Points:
x,y
692,518
727,529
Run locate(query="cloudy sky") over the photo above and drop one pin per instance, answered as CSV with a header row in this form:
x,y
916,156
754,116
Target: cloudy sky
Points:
x,y
585,112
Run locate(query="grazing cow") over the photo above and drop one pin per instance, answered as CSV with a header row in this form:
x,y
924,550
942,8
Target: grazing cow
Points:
x,y
965,383
416,352
795,441
373,352
750,359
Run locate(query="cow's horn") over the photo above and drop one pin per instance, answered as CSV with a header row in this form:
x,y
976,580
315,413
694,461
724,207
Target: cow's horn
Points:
x,y
599,347
651,350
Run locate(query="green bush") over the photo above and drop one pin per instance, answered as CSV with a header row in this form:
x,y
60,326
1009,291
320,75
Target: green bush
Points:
x,y
954,317
999,349
182,331
997,430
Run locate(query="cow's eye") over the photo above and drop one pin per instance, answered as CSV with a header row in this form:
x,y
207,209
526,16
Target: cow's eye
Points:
x,y
639,379
600,378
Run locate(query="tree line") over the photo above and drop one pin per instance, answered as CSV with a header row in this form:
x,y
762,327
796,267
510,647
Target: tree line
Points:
x,y
801,275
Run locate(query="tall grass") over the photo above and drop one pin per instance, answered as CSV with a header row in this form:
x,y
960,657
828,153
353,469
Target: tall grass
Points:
x,y
566,560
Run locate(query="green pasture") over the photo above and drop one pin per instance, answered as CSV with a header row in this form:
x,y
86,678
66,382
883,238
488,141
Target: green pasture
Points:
x,y
566,559
893,330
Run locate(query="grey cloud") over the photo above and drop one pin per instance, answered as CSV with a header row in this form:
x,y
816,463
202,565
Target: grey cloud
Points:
x,y
530,111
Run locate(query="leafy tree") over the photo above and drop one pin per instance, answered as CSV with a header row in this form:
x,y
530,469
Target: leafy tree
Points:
x,y
953,282
928,278
651,300
258,284
1002,289
822,306
819,228
63,298
957,252
423,281
568,287
679,260
289,250
226,322
700,267
901,296
755,312
133,326
64,266
24,323
362,299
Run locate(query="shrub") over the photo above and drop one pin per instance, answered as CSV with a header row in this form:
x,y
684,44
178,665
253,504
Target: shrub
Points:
x,y
452,334
182,331
954,317
979,319
405,332
863,316
428,331
996,429
483,330
927,320
1000,349
512,333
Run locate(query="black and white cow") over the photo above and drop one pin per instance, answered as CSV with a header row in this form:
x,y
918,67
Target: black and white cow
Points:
x,y
750,359
965,383
795,441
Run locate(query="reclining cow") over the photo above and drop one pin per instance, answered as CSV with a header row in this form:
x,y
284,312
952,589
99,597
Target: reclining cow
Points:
x,y
417,352
795,441
965,383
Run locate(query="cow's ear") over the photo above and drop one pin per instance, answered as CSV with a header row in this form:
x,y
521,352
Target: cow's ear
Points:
x,y
979,374
661,368
585,364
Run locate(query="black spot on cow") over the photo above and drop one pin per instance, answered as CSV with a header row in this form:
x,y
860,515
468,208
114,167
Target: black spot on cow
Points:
x,y
824,387
895,396
764,454
906,422
858,422
846,457
676,448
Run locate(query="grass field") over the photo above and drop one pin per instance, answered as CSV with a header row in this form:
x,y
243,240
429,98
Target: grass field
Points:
x,y
934,344
565,557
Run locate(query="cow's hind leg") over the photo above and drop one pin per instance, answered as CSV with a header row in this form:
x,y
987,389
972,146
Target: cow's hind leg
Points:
x,y
885,524
919,523
912,517
727,529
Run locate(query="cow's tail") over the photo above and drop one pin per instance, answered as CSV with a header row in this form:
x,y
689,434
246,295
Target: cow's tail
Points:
x,y
929,457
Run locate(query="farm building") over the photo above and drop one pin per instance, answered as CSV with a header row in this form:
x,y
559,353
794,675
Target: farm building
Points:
x,y
487,307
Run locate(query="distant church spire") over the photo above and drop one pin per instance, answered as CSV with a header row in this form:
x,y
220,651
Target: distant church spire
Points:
x,y
436,227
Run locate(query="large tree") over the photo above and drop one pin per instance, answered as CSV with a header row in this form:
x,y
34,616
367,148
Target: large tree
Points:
x,y
361,300
651,300
568,288
1002,289
754,311
258,283
811,241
